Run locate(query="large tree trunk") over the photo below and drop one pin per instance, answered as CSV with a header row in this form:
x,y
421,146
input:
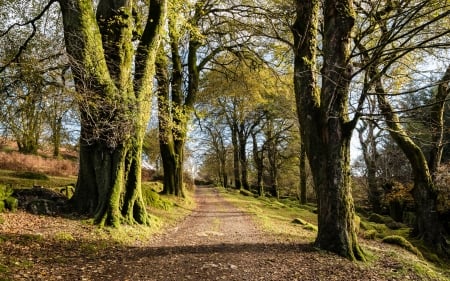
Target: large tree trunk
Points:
x,y
114,109
437,124
325,128
171,148
428,226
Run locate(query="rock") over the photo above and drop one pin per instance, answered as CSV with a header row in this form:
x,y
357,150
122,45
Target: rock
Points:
x,y
42,207
299,221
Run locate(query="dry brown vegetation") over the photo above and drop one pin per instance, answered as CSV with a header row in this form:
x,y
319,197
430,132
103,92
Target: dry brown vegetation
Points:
x,y
34,163
11,159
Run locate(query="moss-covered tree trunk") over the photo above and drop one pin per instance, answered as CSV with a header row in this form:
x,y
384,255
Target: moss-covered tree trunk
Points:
x,y
114,84
429,226
325,128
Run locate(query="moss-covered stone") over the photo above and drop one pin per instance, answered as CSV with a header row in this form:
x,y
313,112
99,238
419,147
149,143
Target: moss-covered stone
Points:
x,y
402,242
370,234
379,218
299,221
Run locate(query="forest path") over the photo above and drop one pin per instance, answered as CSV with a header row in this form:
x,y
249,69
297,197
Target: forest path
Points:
x,y
220,242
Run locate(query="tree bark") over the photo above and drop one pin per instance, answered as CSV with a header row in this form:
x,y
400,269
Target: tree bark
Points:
x,y
369,150
325,128
437,124
114,104
303,196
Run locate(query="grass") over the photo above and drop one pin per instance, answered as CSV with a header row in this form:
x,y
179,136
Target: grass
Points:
x,y
13,179
276,217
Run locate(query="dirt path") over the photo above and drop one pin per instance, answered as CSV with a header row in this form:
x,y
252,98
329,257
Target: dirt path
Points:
x,y
219,242
216,242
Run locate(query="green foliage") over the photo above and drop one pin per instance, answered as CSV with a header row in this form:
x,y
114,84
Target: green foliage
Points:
x,y
31,175
402,242
7,202
11,203
5,192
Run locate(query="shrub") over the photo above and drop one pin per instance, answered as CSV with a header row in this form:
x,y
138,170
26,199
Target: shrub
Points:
x,y
5,192
11,203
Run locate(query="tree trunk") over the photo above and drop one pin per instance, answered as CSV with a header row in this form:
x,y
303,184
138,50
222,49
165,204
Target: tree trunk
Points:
x,y
258,158
325,128
437,124
428,225
243,156
236,162
114,110
171,149
303,197
369,150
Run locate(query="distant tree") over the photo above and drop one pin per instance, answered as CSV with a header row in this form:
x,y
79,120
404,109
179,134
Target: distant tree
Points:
x,y
31,63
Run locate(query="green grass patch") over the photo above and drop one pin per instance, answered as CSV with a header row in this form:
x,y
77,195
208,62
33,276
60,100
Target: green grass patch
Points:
x,y
31,175
275,216
11,178
64,237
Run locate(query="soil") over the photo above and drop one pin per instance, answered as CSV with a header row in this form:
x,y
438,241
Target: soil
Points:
x,y
216,242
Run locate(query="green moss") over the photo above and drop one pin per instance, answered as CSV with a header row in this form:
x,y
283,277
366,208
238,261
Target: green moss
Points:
x,y
246,192
370,234
152,198
64,237
2,206
402,242
299,221
310,227
380,219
